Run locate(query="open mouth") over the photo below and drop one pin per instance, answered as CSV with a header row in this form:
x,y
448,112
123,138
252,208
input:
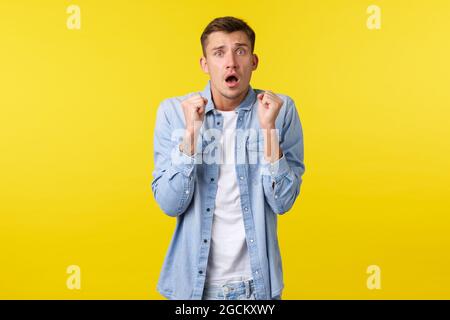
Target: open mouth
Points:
x,y
232,81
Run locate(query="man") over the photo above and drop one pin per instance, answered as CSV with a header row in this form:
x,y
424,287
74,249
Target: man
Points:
x,y
228,161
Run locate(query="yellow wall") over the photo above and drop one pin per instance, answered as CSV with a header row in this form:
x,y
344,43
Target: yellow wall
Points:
x,y
77,112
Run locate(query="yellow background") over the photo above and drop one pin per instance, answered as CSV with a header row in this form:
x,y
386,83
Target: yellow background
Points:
x,y
77,112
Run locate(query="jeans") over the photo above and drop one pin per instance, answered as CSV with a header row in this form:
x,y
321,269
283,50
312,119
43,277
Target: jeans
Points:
x,y
234,289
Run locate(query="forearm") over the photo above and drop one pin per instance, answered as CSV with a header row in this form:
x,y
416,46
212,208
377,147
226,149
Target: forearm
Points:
x,y
187,146
272,149
173,187
281,185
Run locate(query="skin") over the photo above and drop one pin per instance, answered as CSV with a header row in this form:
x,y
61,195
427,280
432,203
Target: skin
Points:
x,y
226,53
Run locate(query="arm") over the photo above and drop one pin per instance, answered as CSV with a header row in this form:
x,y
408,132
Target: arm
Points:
x,y
173,177
283,166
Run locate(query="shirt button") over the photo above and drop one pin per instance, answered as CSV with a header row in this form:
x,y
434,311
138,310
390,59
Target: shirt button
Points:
x,y
200,272
256,272
187,191
246,209
276,197
218,123
212,179
242,178
205,240
207,209
251,240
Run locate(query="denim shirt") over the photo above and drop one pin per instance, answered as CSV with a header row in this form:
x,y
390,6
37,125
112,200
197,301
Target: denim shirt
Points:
x,y
185,188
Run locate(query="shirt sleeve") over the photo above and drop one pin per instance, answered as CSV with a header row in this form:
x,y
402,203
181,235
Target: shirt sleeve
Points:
x,y
282,179
173,177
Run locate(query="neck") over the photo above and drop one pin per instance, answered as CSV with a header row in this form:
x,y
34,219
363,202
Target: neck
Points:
x,y
226,104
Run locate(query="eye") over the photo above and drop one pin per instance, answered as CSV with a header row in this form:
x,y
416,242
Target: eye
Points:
x,y
218,53
240,51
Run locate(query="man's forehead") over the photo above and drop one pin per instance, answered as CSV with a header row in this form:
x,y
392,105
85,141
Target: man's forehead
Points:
x,y
220,38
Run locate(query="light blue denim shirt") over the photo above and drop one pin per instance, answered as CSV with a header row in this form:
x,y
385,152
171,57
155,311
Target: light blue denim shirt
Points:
x,y
186,187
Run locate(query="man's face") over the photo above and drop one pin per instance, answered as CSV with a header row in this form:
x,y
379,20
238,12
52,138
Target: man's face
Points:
x,y
229,63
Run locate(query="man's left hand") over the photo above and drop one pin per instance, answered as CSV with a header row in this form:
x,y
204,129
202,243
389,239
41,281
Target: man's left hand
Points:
x,y
269,105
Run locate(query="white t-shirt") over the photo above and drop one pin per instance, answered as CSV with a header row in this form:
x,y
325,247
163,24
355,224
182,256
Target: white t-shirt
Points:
x,y
228,257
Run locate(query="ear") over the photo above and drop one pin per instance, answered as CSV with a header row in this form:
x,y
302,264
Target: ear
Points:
x,y
204,65
255,61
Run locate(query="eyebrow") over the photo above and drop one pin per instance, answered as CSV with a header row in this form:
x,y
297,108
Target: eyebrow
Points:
x,y
236,44
241,45
217,48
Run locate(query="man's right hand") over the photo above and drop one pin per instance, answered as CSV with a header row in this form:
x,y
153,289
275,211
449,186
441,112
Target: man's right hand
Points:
x,y
194,113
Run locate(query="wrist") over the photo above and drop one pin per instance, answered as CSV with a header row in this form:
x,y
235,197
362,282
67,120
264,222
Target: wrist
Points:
x,y
186,149
187,146
189,131
268,126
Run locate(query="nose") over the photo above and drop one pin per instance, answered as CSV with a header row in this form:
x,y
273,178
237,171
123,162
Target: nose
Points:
x,y
231,61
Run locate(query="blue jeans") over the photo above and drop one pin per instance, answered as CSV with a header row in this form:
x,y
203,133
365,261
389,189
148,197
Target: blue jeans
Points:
x,y
235,289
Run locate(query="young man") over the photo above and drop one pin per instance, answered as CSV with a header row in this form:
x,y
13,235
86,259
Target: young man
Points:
x,y
228,161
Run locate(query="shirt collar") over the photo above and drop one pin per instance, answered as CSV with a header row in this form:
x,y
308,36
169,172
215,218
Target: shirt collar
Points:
x,y
246,104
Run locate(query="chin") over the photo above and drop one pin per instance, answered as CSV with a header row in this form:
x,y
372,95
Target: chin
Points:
x,y
235,92
231,95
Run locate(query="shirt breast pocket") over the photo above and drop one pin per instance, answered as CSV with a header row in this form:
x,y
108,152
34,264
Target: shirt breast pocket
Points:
x,y
255,149
255,155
